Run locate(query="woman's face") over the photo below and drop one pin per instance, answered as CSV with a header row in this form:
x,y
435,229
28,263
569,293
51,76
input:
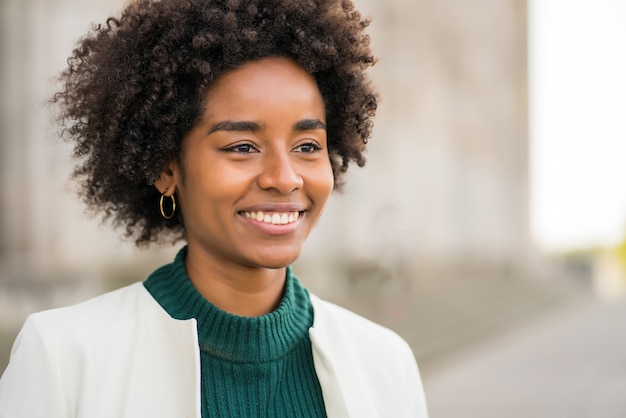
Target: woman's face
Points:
x,y
255,172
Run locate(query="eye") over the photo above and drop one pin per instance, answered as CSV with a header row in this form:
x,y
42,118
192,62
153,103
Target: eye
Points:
x,y
308,148
241,149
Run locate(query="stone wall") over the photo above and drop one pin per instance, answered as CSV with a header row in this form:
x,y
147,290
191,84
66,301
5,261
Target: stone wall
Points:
x,y
446,185
445,188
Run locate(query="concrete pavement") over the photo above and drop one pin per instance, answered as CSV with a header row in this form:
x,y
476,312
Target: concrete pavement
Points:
x,y
571,364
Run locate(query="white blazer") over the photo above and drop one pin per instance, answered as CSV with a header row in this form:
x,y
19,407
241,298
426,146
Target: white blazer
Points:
x,y
122,355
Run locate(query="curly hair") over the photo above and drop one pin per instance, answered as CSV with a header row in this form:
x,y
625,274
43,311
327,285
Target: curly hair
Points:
x,y
135,87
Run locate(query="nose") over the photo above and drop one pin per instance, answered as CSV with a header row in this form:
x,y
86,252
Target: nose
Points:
x,y
279,172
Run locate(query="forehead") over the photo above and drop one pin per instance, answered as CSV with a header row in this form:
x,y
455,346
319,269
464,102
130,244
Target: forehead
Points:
x,y
269,82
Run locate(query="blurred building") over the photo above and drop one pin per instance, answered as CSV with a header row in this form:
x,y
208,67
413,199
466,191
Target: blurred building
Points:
x,y
445,189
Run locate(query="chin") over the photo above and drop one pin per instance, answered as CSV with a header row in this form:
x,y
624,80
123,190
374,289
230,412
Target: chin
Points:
x,y
273,262
275,266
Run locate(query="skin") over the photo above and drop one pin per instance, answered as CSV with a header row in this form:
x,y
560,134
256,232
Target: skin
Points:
x,y
259,146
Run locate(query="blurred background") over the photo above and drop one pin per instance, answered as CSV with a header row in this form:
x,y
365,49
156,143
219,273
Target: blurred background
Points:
x,y
488,227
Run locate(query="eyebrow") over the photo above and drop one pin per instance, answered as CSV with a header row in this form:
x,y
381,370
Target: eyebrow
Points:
x,y
235,126
309,125
249,126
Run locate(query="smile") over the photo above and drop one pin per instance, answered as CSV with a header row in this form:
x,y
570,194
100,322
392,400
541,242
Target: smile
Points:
x,y
274,218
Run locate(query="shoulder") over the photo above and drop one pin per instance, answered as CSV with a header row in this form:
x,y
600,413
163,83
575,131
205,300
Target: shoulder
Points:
x,y
94,314
75,331
374,367
331,318
349,337
55,347
100,355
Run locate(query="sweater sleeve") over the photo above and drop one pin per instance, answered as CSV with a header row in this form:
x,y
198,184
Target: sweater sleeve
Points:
x,y
31,386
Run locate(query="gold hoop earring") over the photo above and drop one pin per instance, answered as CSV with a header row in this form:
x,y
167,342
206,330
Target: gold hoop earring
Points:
x,y
171,215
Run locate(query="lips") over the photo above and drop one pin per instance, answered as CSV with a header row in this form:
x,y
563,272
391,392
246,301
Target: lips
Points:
x,y
274,218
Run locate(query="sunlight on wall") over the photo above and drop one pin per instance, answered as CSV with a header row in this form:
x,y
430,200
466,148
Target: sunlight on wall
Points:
x,y
578,131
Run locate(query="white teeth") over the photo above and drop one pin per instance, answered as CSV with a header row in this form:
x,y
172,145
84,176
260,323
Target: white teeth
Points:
x,y
273,218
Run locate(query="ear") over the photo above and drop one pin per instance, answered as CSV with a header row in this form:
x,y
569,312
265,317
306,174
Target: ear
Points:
x,y
167,181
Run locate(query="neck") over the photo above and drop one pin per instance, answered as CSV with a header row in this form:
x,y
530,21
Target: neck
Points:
x,y
236,289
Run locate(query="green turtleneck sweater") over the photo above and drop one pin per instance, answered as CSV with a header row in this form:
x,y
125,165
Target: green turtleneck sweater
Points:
x,y
251,367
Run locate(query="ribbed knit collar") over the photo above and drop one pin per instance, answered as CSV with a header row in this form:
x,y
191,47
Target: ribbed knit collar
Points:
x,y
231,337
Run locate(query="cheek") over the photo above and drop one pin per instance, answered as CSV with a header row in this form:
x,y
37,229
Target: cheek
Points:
x,y
218,179
323,181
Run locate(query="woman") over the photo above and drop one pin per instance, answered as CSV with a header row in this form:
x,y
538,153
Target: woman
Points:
x,y
226,124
